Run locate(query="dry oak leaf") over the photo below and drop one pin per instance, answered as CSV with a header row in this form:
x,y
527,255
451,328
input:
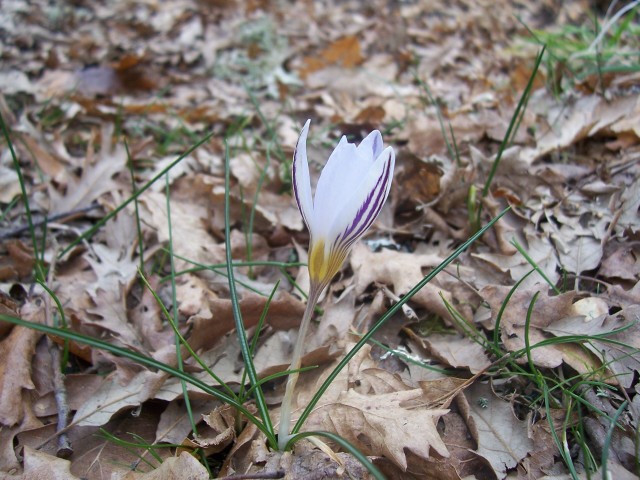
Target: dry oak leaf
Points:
x,y
220,434
175,422
586,117
376,411
457,351
540,249
382,425
502,439
191,237
112,397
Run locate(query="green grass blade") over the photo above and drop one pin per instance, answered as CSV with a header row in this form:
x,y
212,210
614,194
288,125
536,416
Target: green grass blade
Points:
x,y
136,207
174,303
254,341
496,329
237,315
511,130
527,330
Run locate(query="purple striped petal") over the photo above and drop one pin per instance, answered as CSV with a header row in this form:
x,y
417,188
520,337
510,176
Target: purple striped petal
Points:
x,y
364,206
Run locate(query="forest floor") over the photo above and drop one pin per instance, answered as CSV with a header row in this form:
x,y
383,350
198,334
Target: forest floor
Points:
x,y
520,359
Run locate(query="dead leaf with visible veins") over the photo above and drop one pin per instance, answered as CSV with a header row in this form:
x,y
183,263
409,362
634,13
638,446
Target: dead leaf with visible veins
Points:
x,y
585,117
502,439
175,423
191,238
540,249
382,425
457,351
378,417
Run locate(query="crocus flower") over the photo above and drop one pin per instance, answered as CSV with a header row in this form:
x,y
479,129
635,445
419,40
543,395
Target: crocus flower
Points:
x,y
350,193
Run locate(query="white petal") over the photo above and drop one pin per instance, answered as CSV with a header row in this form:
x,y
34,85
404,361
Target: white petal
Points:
x,y
372,145
362,207
301,178
344,172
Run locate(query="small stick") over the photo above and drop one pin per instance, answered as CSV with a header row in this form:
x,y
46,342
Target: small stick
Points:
x,y
65,450
251,476
46,219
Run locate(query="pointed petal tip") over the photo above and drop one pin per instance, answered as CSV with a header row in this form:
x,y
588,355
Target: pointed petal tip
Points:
x,y
373,143
301,177
391,153
305,128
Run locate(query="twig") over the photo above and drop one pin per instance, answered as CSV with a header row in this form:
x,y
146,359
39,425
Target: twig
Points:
x,y
65,450
250,476
46,219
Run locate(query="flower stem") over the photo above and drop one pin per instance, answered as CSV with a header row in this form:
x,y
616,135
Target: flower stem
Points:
x,y
285,409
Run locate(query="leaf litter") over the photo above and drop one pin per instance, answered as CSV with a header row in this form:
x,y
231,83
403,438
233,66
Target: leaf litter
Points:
x,y
100,99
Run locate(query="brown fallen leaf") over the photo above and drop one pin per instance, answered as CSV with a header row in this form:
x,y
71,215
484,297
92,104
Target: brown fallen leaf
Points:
x,y
191,238
502,439
9,307
285,312
539,248
219,434
9,184
585,117
16,353
18,264
620,358
401,270
344,52
377,423
97,178
42,466
113,396
175,423
457,351
512,327
621,260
